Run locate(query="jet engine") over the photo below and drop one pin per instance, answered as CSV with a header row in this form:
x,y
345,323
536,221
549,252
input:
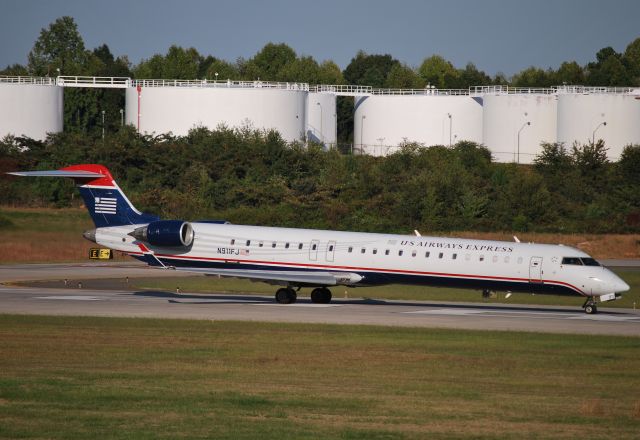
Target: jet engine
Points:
x,y
170,233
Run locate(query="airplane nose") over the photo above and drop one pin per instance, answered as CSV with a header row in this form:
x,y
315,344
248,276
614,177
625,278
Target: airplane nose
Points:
x,y
620,286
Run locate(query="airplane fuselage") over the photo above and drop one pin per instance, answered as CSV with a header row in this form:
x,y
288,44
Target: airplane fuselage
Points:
x,y
367,259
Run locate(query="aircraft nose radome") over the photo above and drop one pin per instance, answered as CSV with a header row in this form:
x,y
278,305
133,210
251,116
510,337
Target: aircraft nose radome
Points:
x,y
621,286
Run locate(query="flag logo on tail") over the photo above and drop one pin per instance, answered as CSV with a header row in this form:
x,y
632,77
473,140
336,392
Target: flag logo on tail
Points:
x,y
105,205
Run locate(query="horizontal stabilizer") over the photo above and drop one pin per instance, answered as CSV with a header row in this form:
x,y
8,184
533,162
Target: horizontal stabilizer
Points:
x,y
297,277
59,173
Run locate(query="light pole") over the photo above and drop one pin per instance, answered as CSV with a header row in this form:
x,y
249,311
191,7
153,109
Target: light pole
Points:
x,y
121,117
361,132
520,131
216,75
321,118
593,135
450,127
103,126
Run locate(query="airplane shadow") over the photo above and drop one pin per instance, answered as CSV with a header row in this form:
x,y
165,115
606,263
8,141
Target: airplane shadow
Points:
x,y
186,298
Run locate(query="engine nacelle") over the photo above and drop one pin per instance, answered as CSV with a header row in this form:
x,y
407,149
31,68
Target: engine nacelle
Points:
x,y
170,233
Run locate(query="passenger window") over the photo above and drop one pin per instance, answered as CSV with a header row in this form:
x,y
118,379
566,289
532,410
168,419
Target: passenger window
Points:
x,y
260,244
400,253
386,252
414,253
350,249
248,242
363,250
455,256
314,247
299,245
481,257
233,241
426,255
273,244
331,248
286,245
440,255
375,251
575,261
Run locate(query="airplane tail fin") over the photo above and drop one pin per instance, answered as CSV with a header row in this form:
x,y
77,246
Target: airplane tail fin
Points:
x,y
107,204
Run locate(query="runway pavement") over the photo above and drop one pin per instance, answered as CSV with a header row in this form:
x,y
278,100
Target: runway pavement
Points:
x,y
130,303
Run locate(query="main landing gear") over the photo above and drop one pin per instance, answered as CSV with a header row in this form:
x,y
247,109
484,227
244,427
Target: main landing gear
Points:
x,y
287,295
590,307
321,295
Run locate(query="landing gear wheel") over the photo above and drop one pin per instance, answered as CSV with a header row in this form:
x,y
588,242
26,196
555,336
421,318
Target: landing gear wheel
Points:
x,y
321,295
591,309
286,295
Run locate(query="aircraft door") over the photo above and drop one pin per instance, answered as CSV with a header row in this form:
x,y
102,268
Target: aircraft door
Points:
x,y
313,250
535,270
331,250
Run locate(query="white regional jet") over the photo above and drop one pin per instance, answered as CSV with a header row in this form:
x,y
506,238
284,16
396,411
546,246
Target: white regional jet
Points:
x,y
295,258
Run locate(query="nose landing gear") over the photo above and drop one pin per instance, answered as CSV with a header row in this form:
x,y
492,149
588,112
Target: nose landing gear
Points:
x,y
590,307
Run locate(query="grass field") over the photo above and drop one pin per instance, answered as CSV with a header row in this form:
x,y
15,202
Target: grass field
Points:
x,y
79,378
55,235
44,235
213,284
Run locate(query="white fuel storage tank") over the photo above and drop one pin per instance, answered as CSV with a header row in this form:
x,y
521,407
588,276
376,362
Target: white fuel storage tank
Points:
x,y
30,107
321,118
612,117
382,122
161,107
514,125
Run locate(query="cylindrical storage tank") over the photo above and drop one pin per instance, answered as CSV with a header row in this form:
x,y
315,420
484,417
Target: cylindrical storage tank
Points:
x,y
382,122
321,118
165,109
582,117
515,125
30,109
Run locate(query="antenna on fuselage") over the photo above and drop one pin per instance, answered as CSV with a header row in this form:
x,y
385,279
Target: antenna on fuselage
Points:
x,y
417,233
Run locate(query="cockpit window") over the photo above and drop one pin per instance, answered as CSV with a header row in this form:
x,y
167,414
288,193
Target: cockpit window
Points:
x,y
590,262
572,260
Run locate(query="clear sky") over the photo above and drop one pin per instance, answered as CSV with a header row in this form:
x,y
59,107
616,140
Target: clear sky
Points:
x,y
497,35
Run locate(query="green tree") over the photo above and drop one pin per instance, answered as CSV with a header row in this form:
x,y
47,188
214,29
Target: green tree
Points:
x,y
224,69
268,62
569,73
15,70
438,72
533,77
470,76
60,46
402,76
631,60
330,73
608,70
369,70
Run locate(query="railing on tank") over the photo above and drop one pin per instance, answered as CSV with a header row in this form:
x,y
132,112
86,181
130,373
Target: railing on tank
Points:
x,y
596,90
425,91
341,89
220,84
37,80
113,82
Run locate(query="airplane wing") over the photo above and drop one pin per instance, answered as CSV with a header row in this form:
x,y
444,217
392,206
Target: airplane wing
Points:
x,y
295,277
